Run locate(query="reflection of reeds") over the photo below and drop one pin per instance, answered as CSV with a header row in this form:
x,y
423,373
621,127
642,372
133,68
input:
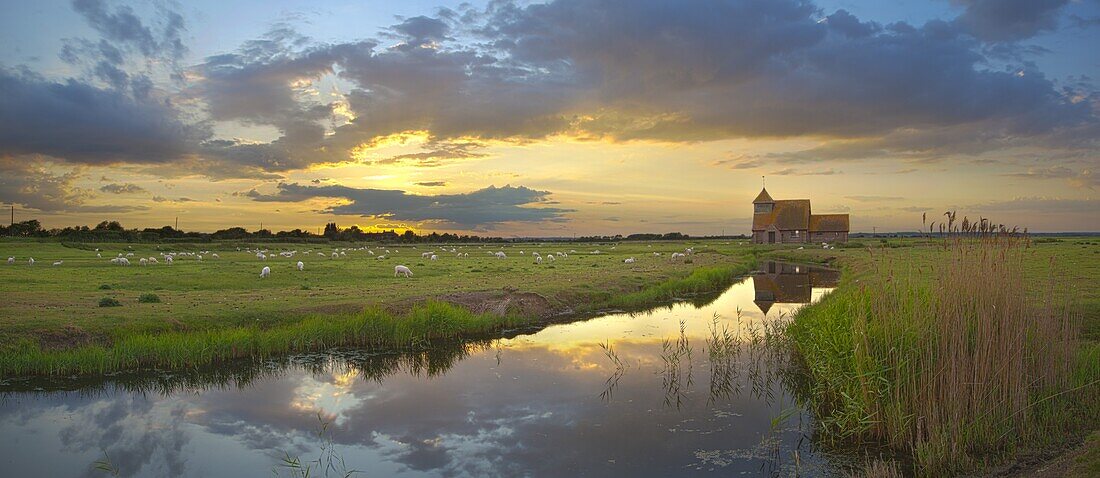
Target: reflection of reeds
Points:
x,y
329,461
620,370
675,377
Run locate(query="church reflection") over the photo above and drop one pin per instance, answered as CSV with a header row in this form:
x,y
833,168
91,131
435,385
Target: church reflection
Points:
x,y
787,283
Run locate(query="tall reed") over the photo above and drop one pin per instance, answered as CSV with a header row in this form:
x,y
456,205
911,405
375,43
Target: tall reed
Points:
x,y
956,362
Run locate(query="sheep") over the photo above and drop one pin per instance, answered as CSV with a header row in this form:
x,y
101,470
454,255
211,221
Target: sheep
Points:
x,y
30,261
99,255
58,263
538,259
689,251
266,271
676,255
120,254
301,266
335,255
215,255
370,252
427,254
129,254
434,257
168,260
380,257
656,253
143,261
124,261
629,260
343,254
500,255
261,256
200,258
11,260
800,248
402,270
153,260
551,257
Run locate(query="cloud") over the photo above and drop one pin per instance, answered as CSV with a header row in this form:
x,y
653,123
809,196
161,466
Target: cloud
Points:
x,y
84,124
1009,20
1045,205
36,185
438,153
802,172
482,208
432,184
875,198
125,27
127,188
1083,179
177,200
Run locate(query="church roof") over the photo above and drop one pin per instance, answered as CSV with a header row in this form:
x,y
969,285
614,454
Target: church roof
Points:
x,y
763,197
829,223
787,215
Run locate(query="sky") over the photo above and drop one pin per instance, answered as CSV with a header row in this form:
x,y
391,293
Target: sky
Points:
x,y
558,118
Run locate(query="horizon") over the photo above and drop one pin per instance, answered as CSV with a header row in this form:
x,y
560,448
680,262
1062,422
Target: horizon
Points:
x,y
548,119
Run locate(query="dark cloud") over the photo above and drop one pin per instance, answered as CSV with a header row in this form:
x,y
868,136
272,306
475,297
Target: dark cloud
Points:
x,y
432,184
484,207
438,153
84,124
1009,20
421,30
178,200
116,188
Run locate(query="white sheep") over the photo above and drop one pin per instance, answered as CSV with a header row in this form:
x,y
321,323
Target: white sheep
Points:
x,y
383,256
11,260
129,254
153,260
538,259
343,254
200,258
676,255
99,255
426,254
500,255
551,257
301,266
629,260
261,256
370,252
215,255
402,270
124,261
30,261
143,261
335,255
434,257
58,263
168,260
266,271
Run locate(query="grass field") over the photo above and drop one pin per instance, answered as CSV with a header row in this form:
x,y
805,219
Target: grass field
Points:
x,y
52,321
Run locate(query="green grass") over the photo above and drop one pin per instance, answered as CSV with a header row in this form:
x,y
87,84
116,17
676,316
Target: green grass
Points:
x,y
109,302
374,327
148,298
206,308
959,357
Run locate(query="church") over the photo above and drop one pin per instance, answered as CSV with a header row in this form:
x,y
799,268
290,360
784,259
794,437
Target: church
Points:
x,y
789,221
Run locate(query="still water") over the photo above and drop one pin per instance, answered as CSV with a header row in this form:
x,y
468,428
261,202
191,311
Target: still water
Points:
x,y
686,390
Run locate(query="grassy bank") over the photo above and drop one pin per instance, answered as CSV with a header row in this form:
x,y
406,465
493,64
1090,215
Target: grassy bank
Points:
x,y
375,326
958,354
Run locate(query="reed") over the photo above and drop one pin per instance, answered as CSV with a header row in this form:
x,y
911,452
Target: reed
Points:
x,y
957,363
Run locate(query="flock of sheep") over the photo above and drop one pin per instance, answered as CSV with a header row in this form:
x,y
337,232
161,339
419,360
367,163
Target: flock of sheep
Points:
x,y
398,271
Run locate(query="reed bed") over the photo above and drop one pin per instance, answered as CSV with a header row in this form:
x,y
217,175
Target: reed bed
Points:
x,y
958,363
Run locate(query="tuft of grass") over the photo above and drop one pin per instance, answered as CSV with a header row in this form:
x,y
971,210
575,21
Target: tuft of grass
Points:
x,y
104,287
959,364
109,302
700,281
149,298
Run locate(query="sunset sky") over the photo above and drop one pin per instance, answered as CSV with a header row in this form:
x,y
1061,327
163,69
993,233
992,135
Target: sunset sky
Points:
x,y
548,119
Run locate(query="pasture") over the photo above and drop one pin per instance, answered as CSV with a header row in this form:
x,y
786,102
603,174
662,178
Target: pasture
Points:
x,y
58,307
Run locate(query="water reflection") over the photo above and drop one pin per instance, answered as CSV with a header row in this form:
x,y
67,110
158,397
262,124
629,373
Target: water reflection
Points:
x,y
679,391
787,283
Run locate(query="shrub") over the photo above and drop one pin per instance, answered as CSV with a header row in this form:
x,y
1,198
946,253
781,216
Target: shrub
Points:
x,y
109,302
104,287
148,298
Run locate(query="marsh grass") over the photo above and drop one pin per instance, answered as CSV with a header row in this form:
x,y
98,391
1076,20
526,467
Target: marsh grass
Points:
x,y
957,364
148,298
109,302
701,281
422,326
